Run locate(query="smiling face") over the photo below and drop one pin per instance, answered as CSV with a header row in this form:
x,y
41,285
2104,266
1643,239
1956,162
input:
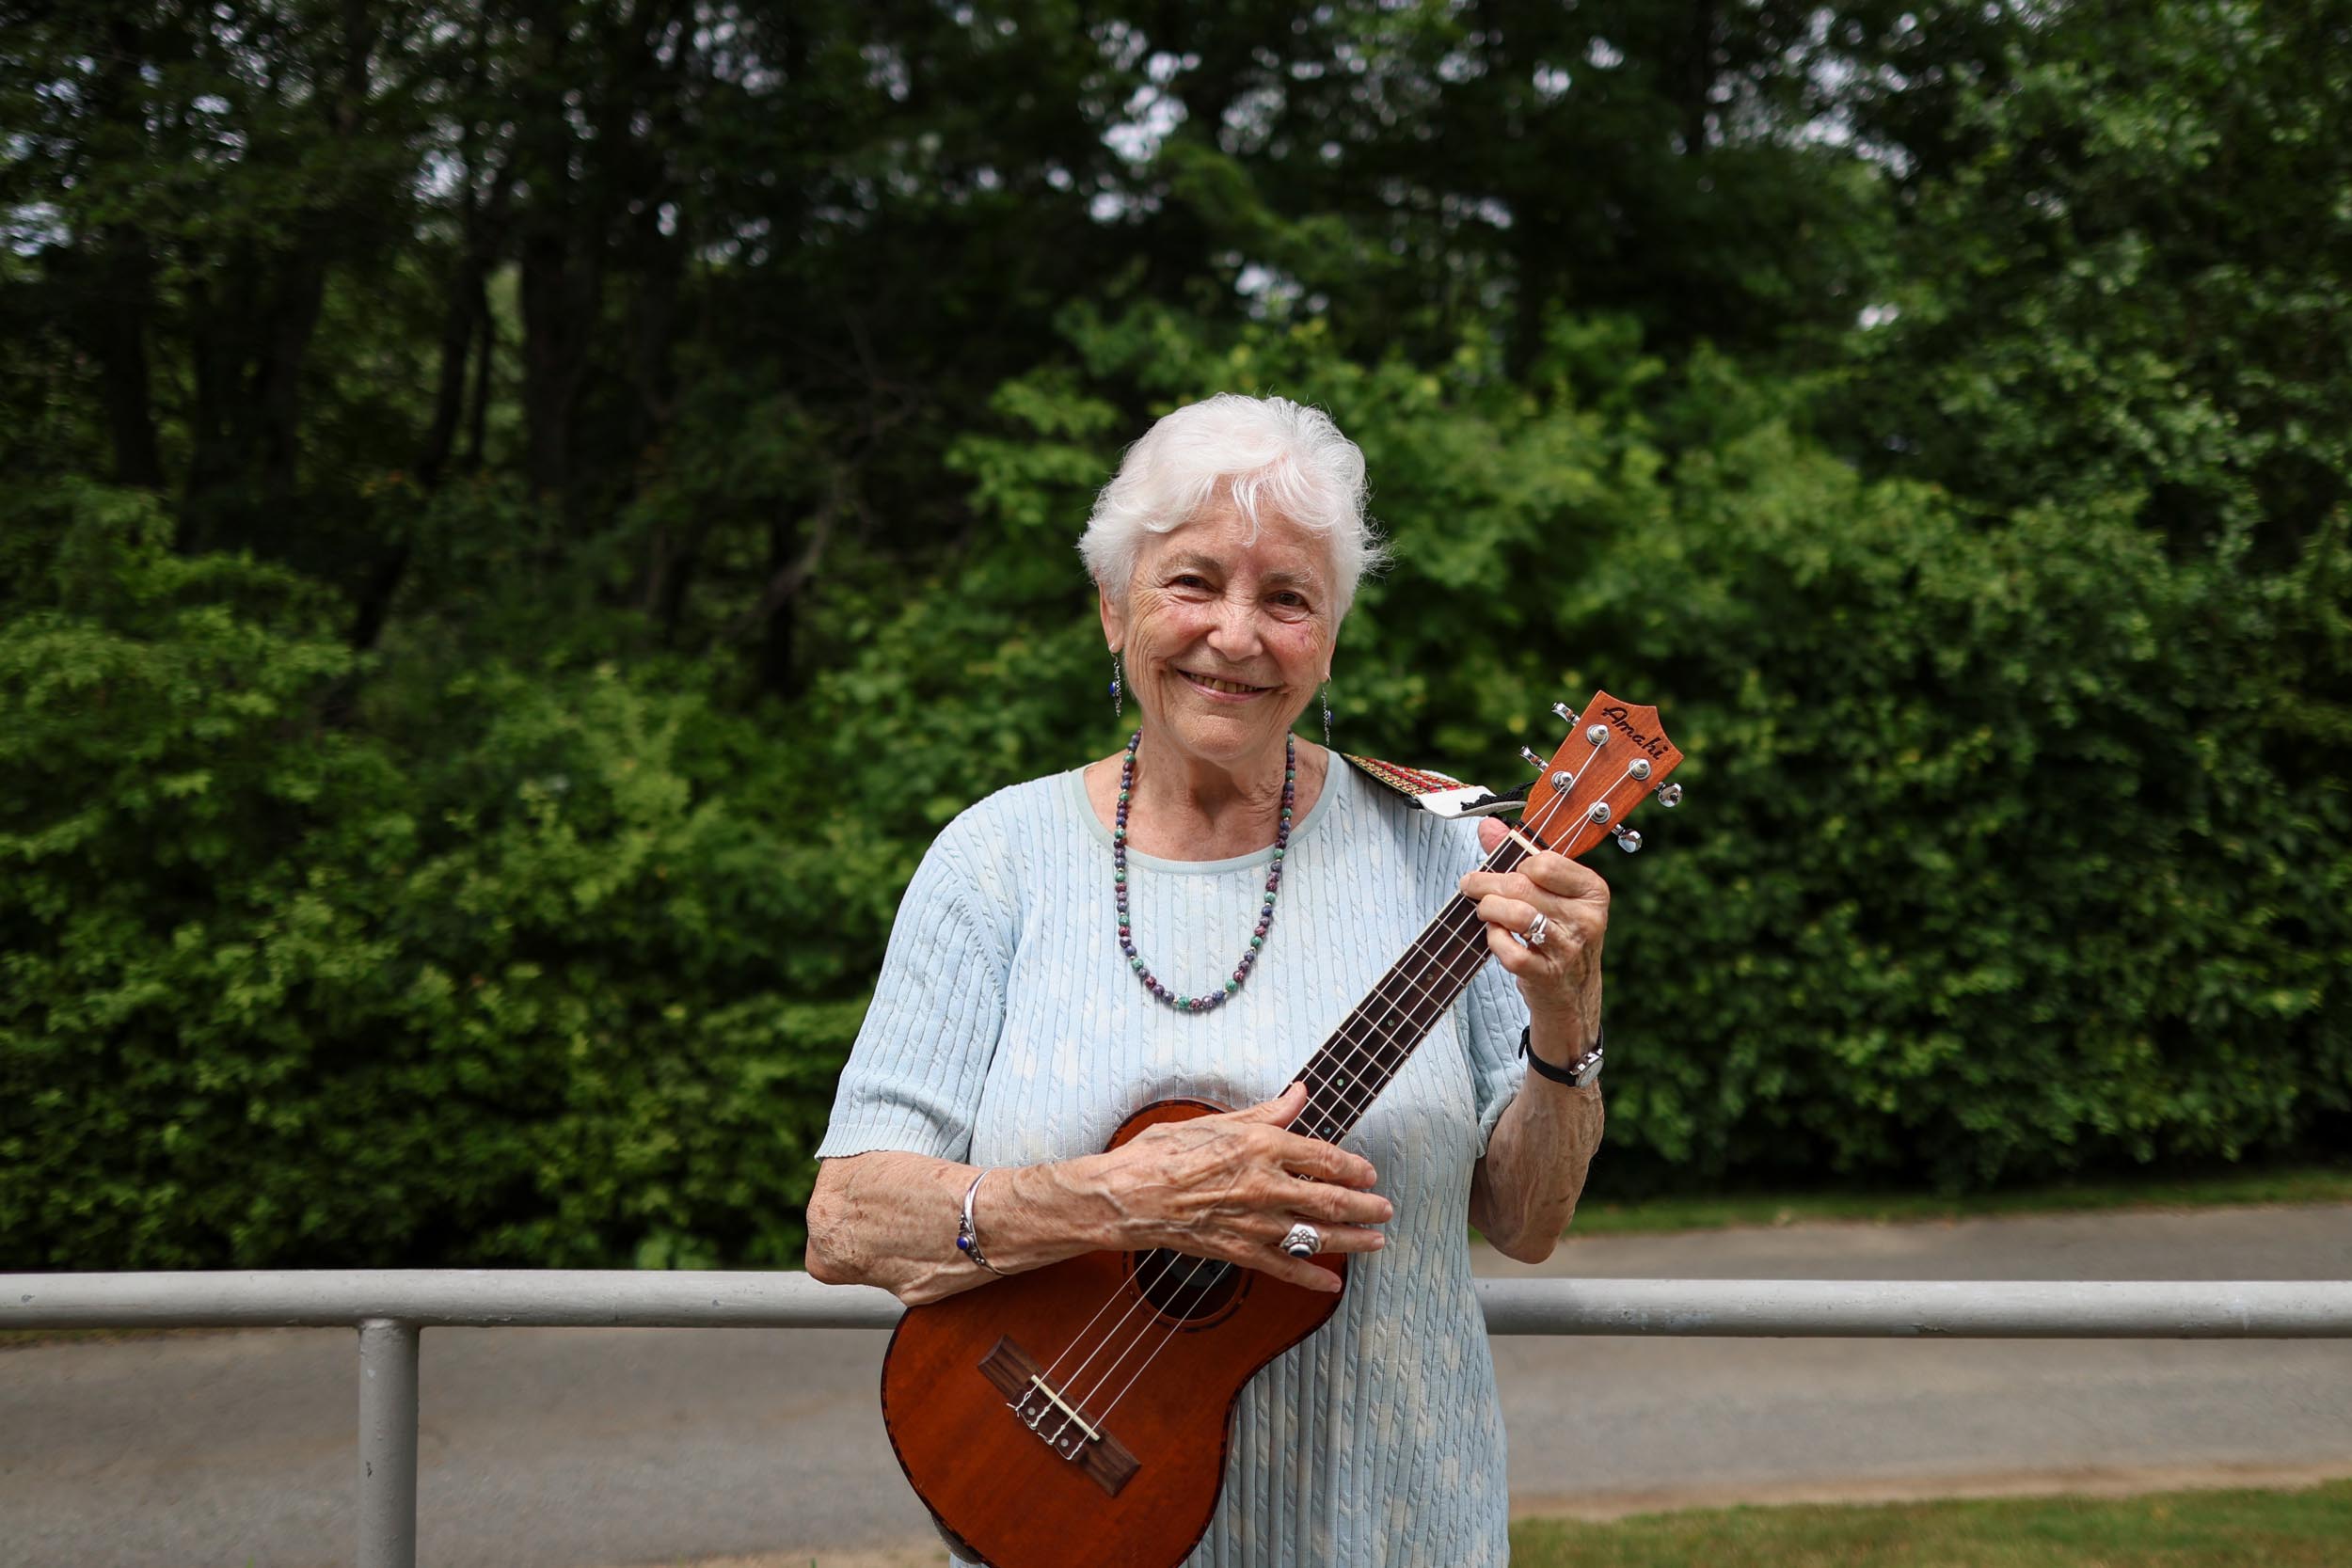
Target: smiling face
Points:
x,y
1225,636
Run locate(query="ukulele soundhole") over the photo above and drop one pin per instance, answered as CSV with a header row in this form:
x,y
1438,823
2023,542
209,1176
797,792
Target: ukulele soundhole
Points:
x,y
1190,1289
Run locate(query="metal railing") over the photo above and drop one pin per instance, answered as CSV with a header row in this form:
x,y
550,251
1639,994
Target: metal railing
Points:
x,y
392,1309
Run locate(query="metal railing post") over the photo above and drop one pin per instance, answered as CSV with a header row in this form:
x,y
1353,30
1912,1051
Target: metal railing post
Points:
x,y
388,1443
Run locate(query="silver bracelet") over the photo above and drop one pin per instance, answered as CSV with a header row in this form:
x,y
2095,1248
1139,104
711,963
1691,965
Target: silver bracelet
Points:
x,y
967,1239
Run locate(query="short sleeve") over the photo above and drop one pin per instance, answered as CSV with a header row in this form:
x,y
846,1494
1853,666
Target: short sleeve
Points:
x,y
914,1077
1489,1017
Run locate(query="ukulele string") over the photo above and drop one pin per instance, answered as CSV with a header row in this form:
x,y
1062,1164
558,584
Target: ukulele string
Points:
x,y
1364,1051
1167,1264
1346,1104
1078,1339
1443,961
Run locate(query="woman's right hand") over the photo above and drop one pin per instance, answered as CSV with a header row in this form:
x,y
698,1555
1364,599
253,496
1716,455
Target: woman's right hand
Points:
x,y
1224,1186
1228,1186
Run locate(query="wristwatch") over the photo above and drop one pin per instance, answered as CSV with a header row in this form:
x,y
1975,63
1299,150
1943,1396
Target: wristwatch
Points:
x,y
1583,1071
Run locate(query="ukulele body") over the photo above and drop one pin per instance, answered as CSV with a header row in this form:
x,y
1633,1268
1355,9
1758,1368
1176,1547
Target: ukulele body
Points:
x,y
1028,1457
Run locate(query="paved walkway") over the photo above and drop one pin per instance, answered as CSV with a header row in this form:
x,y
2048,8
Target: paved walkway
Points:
x,y
573,1448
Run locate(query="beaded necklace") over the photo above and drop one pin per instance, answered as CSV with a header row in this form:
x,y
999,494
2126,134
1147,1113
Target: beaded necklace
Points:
x,y
1266,915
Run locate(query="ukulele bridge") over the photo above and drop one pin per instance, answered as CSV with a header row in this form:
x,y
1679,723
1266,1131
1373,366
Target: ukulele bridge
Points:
x,y
1056,1422
1042,1402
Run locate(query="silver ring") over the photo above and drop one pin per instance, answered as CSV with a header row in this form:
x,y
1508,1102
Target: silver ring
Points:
x,y
1304,1241
1533,935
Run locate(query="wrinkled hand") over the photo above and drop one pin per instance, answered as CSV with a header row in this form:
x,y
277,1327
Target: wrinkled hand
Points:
x,y
1228,1186
1561,980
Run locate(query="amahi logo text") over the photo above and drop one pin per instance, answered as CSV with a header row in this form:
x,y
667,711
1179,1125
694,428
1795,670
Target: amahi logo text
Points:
x,y
1654,745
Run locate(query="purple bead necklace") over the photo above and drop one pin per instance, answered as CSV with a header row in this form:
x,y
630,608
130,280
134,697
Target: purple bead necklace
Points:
x,y
1266,915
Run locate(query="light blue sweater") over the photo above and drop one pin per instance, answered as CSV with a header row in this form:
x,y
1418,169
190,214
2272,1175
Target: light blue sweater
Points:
x,y
1007,1029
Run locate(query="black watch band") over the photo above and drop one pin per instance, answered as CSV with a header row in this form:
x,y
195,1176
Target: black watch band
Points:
x,y
1577,1073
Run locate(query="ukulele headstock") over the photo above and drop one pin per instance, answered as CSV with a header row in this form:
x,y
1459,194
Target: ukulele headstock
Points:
x,y
1617,753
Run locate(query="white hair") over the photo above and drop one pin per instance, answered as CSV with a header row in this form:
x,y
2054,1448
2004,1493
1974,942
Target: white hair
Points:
x,y
1266,456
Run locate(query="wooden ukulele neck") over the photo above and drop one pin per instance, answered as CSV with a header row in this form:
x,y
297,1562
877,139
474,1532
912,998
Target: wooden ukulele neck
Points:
x,y
1373,1043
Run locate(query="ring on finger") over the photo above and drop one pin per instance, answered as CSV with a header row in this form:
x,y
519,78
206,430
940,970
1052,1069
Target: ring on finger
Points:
x,y
1533,935
1303,1240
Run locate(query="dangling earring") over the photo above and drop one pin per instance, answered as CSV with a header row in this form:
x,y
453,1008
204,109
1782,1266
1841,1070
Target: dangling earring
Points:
x,y
1326,714
1118,698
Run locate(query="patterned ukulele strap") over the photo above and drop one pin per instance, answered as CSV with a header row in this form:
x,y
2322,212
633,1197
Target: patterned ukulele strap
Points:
x,y
1437,793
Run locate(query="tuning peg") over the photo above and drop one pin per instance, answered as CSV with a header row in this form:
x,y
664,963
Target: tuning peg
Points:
x,y
1627,840
1531,759
1669,795
1567,714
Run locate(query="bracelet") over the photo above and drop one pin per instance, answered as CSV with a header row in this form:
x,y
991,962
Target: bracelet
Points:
x,y
1577,1073
967,1239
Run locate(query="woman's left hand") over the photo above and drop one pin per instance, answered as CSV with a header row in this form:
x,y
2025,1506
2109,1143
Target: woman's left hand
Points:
x,y
1561,978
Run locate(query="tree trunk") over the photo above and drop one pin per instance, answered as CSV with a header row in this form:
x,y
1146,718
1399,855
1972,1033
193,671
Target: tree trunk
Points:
x,y
560,254
114,317
558,295
777,613
478,424
292,316
114,301
460,322
1698,76
465,318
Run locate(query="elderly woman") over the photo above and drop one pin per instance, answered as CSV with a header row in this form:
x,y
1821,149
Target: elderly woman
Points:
x,y
1191,917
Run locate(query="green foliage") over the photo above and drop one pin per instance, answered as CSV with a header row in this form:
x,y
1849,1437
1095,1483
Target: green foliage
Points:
x,y
2002,863
596,498
2133,277
2007,874
278,992
2302,1528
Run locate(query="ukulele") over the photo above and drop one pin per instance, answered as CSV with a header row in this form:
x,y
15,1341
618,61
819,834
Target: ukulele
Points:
x,y
1079,1413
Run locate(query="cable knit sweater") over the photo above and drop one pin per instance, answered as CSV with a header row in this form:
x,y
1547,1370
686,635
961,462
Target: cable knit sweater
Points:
x,y
1007,1029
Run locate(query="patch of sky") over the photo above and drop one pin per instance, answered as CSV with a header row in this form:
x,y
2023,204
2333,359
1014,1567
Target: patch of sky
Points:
x,y
1485,209
887,69
1122,46
1272,295
1250,118
27,227
1830,80
1151,113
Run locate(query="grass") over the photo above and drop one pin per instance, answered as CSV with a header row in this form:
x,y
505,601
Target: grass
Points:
x,y
2309,1528
2283,1184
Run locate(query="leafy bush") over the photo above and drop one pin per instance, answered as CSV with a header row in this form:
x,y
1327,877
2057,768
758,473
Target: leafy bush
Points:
x,y
2016,843
279,991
